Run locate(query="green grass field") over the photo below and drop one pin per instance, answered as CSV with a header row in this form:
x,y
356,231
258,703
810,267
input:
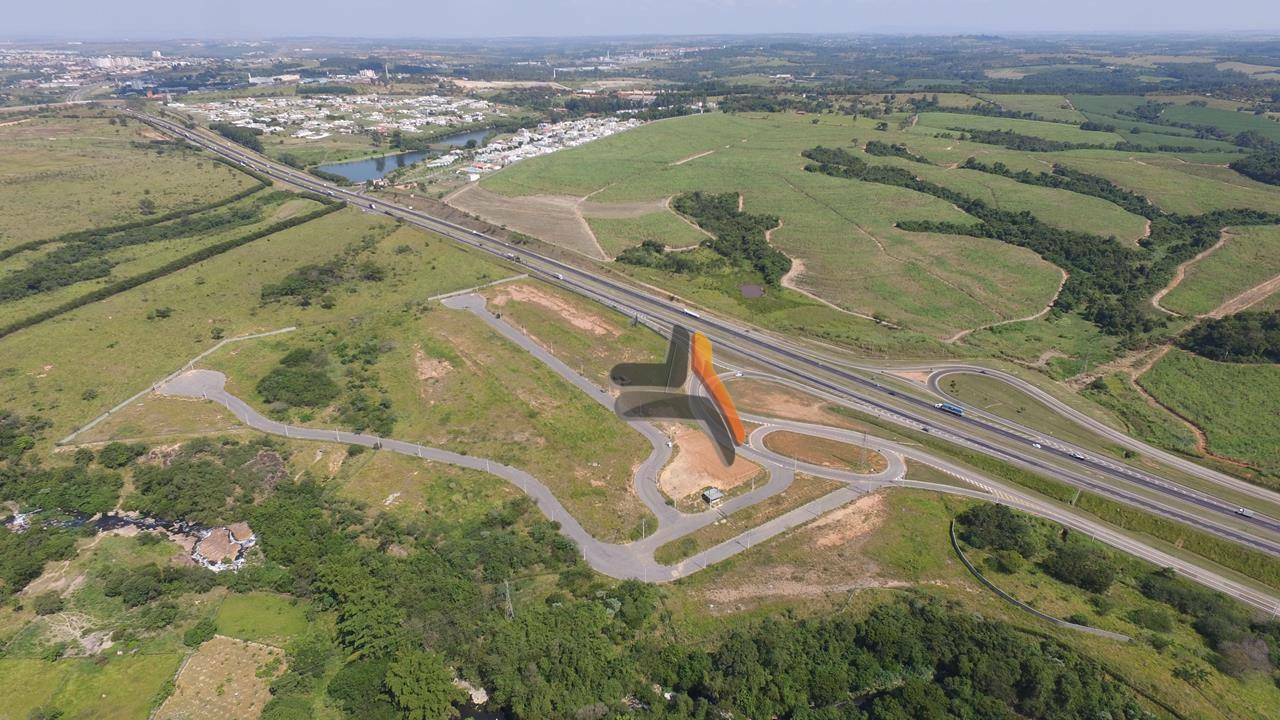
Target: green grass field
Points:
x,y
261,617
120,688
1151,424
618,234
843,232
1229,120
120,352
135,260
1234,404
1250,256
454,383
933,122
1050,107
64,174
414,489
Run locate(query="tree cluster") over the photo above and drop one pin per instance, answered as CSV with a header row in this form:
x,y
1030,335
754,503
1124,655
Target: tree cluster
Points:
x,y
1247,337
1262,166
248,137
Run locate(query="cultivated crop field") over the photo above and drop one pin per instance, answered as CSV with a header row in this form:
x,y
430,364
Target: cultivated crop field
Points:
x,y
226,677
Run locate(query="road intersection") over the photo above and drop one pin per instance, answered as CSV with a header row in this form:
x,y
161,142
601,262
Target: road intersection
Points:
x,y
816,371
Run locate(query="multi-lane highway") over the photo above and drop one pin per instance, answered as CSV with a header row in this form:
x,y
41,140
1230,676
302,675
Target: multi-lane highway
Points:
x,y
810,368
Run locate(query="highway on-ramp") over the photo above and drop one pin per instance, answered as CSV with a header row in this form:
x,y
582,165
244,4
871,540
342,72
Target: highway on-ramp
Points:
x,y
809,368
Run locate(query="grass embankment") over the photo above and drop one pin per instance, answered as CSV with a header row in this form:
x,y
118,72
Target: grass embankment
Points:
x,y
826,452
1233,403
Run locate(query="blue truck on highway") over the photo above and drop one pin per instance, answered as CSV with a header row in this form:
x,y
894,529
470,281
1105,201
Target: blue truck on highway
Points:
x,y
948,407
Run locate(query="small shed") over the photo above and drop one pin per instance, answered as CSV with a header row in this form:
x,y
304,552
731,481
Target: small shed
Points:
x,y
712,496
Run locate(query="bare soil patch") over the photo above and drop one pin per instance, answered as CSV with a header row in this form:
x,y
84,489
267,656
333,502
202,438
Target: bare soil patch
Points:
x,y
621,210
697,465
695,156
825,452
847,523
225,678
788,582
575,316
556,219
915,376
762,397
429,370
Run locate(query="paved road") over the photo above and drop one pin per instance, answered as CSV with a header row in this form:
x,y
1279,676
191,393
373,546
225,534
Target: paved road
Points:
x,y
810,368
940,371
783,356
629,560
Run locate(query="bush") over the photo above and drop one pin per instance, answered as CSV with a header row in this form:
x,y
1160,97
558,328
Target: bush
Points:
x,y
1152,619
118,454
1007,561
997,527
200,632
47,603
1084,566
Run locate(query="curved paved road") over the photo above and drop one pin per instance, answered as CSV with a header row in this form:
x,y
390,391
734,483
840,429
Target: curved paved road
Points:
x,y
940,371
635,559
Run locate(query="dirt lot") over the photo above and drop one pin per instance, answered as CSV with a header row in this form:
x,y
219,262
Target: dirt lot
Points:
x,y
697,465
833,566
825,452
762,397
553,218
225,678
556,219
575,316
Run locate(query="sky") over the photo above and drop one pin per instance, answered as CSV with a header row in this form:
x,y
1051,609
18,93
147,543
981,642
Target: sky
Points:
x,y
158,19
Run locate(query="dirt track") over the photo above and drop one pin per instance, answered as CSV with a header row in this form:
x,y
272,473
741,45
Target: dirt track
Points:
x,y
556,219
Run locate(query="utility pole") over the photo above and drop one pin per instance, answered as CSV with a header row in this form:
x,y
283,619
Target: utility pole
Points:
x,y
511,611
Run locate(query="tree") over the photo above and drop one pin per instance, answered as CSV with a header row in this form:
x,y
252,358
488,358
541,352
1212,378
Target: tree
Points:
x,y
199,633
1086,567
118,454
147,206
422,685
47,603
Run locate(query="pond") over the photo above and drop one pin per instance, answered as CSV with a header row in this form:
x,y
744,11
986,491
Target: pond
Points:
x,y
374,167
460,139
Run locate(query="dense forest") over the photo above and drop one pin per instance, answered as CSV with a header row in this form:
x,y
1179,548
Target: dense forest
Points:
x,y
1247,337
247,137
405,622
1263,166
